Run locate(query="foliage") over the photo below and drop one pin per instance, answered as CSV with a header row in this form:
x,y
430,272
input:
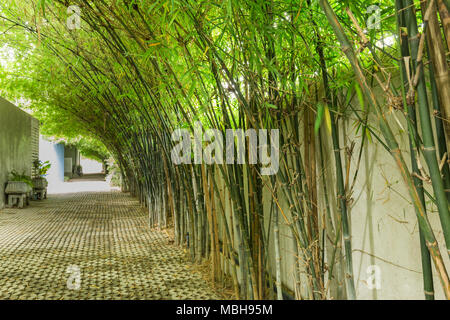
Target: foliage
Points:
x,y
41,168
15,176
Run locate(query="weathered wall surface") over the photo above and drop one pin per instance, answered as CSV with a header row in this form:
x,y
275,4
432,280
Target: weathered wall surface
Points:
x,y
16,143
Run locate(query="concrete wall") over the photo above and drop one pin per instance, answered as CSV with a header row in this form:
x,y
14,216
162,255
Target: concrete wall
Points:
x,y
15,143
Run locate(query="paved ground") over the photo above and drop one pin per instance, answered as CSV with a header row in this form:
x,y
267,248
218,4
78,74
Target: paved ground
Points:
x,y
91,245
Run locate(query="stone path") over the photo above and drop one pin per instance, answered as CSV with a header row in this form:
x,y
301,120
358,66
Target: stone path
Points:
x,y
91,245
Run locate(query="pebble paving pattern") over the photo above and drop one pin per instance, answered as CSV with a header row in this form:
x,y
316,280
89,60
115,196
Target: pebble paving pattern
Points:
x,y
106,236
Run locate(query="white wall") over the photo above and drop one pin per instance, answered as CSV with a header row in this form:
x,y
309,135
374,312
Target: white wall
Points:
x,y
53,152
91,166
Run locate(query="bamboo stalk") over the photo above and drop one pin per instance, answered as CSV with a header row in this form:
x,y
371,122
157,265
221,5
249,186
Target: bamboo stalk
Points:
x,y
277,255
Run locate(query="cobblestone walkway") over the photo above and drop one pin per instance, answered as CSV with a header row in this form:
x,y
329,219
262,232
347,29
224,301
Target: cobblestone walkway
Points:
x,y
105,236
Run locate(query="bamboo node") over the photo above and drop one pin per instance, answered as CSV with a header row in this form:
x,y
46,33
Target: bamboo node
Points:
x,y
434,244
395,102
411,97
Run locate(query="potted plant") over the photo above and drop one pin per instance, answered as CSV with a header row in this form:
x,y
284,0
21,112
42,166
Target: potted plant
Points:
x,y
19,189
78,170
18,183
40,171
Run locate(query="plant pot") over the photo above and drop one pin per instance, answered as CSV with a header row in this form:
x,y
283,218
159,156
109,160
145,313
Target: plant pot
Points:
x,y
17,187
40,183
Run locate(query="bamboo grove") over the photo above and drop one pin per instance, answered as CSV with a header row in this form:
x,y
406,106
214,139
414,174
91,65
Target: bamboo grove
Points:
x,y
135,71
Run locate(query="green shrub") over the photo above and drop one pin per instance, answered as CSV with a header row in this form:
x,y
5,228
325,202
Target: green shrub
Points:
x,y
15,176
41,168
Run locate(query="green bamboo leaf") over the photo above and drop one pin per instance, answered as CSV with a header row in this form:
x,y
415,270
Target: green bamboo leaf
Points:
x,y
328,118
319,117
360,95
349,93
368,134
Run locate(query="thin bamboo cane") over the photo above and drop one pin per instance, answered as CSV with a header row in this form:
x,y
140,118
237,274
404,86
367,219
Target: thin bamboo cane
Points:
x,y
440,133
277,255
